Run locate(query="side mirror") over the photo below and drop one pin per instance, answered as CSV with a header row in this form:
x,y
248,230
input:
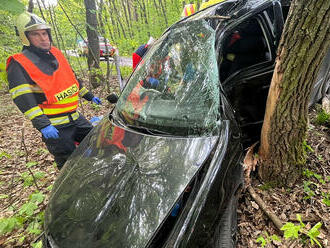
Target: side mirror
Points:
x,y
112,98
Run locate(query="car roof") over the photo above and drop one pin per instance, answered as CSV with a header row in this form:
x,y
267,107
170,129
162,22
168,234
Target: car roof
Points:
x,y
232,9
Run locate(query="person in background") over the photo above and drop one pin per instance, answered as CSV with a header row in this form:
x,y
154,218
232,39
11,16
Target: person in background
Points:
x,y
139,53
44,88
149,82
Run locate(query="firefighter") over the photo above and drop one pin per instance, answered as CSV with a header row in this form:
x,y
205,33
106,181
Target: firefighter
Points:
x,y
188,10
44,88
139,53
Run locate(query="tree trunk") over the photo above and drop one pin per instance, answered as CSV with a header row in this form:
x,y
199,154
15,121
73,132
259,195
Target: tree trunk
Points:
x,y
31,6
55,29
93,59
303,45
126,13
164,12
118,18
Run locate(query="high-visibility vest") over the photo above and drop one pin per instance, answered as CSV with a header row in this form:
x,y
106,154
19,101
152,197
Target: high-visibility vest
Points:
x,y
62,84
188,10
134,104
209,3
138,54
111,135
61,88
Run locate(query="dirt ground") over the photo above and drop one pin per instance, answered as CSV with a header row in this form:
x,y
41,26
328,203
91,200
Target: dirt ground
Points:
x,y
20,144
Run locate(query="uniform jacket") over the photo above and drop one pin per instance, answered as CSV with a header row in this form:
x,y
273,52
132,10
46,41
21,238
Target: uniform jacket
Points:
x,y
44,87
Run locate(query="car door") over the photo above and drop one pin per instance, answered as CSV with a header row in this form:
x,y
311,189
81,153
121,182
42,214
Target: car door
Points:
x,y
246,66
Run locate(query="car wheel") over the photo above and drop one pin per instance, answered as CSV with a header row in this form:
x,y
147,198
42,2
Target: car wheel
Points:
x,y
228,224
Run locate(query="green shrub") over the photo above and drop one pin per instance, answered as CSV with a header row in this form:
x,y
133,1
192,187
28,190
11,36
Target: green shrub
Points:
x,y
323,118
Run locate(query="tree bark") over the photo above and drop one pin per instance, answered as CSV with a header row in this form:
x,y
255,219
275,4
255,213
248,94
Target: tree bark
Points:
x,y
92,35
164,12
303,45
31,6
118,19
93,59
126,12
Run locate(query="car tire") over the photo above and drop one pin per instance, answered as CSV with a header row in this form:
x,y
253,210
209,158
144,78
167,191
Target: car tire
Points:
x,y
228,224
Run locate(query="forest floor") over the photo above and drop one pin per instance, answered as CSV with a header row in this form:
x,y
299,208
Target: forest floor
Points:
x,y
23,197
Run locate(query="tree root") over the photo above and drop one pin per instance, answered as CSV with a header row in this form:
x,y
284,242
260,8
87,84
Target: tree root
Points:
x,y
278,223
250,163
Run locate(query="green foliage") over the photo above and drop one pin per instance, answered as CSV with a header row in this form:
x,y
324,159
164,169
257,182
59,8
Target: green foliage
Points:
x,y
34,228
9,44
4,154
3,75
49,188
292,231
310,174
3,196
266,186
28,216
12,6
307,147
42,151
28,209
267,239
310,187
313,233
326,199
7,225
28,178
96,107
37,197
323,118
308,190
124,33
31,164
126,71
37,245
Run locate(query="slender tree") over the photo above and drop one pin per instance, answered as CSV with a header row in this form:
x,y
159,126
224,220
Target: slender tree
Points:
x,y
30,6
305,40
93,59
118,17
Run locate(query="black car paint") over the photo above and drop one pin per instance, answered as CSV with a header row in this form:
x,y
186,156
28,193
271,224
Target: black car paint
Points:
x,y
139,174
219,175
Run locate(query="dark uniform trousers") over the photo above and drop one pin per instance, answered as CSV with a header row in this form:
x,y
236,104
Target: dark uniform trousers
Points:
x,y
69,134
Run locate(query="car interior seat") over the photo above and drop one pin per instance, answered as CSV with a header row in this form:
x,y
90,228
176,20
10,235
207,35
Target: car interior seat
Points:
x,y
243,47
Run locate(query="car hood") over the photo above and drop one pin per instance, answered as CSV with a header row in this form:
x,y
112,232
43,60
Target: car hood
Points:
x,y
119,185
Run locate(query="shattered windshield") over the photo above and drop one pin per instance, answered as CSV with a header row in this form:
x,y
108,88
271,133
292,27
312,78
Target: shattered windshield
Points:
x,y
175,88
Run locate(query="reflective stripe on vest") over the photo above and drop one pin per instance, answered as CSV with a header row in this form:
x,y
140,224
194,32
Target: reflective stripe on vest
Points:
x,y
24,89
63,119
33,113
188,10
63,78
66,105
134,103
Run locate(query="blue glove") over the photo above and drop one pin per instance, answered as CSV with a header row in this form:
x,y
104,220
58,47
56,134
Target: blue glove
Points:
x,y
153,82
50,132
95,120
96,100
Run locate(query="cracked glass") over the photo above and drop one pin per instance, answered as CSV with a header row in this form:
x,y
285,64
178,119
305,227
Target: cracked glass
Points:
x,y
175,88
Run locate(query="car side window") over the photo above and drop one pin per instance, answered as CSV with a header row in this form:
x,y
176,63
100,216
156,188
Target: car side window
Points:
x,y
244,46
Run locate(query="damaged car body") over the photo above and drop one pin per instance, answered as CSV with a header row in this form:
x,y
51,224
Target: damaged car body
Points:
x,y
164,169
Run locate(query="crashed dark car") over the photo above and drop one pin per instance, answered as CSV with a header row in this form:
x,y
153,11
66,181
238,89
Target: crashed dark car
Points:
x,y
164,168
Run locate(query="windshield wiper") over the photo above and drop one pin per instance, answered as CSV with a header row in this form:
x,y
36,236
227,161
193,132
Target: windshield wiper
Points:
x,y
146,130
119,121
